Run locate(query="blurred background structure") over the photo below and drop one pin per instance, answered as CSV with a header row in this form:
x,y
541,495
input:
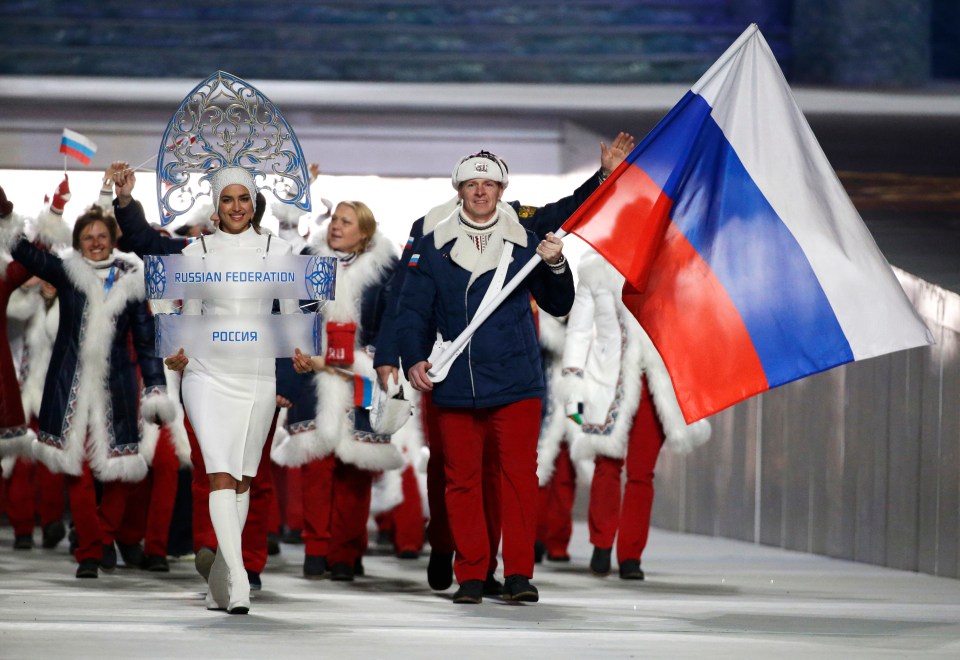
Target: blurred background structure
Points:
x,y
862,462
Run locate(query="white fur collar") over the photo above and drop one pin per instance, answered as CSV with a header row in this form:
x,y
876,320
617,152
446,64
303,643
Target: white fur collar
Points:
x,y
464,252
368,268
11,229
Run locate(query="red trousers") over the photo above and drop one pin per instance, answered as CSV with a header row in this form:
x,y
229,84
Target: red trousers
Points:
x,y
150,507
511,432
33,489
254,539
627,518
405,521
555,515
438,527
316,488
95,525
351,508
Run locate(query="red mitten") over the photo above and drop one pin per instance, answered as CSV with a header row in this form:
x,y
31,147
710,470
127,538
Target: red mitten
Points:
x,y
341,338
61,196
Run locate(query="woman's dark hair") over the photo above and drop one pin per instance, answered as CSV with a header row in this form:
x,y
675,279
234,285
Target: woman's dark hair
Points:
x,y
91,215
258,214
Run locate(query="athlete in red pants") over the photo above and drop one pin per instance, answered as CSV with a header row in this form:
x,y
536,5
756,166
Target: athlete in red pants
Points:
x,y
33,489
628,517
440,567
96,525
512,430
316,484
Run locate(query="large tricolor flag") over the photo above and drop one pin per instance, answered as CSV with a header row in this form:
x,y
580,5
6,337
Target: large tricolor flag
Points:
x,y
746,262
78,146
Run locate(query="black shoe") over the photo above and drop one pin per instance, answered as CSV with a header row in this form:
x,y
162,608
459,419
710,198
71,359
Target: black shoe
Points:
x,y
469,593
492,586
440,570
132,554
53,533
88,568
564,559
341,573
155,564
292,536
600,561
23,542
408,554
358,569
254,578
630,570
539,550
519,588
109,560
273,545
315,567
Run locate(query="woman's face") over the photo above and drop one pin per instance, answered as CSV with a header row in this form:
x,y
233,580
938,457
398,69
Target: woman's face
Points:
x,y
235,209
95,242
343,234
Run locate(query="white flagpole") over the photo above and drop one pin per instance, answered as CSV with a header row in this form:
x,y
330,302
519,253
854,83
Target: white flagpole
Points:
x,y
484,314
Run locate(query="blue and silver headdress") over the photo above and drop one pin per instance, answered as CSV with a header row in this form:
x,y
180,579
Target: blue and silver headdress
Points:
x,y
227,122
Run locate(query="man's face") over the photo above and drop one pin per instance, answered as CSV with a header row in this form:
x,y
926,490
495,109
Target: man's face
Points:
x,y
480,197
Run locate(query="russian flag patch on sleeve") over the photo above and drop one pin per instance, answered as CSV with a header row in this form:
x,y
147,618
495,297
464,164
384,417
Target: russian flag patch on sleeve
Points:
x,y
414,260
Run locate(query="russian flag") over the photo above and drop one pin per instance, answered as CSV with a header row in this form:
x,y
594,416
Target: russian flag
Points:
x,y
77,146
362,391
746,262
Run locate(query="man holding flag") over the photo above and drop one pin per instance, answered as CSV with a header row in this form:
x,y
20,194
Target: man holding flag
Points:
x,y
493,391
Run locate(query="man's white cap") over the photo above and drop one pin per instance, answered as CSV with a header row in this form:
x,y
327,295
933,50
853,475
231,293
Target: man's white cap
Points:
x,y
227,176
482,165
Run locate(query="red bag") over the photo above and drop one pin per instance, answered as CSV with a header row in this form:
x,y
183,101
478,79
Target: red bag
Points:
x,y
341,338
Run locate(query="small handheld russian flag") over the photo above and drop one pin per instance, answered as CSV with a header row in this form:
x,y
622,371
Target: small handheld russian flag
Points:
x,y
77,146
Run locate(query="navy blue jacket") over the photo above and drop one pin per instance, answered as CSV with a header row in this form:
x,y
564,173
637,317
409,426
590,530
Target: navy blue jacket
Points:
x,y
539,220
501,363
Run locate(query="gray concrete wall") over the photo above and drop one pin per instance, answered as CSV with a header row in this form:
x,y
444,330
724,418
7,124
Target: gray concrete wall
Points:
x,y
861,462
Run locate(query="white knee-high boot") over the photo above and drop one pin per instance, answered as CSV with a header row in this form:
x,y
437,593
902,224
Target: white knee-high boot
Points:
x,y
226,524
243,507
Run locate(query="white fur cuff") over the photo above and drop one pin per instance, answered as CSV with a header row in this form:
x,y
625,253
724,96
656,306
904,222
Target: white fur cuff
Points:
x,y
157,407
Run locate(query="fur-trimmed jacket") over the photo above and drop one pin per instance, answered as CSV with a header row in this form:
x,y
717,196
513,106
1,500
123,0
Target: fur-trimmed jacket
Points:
x,y
605,355
90,396
323,418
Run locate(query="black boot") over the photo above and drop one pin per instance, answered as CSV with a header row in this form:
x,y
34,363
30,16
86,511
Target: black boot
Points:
x,y
155,564
492,586
315,567
53,533
469,593
108,561
23,542
519,588
88,568
440,570
539,550
256,584
630,570
600,561
131,553
341,573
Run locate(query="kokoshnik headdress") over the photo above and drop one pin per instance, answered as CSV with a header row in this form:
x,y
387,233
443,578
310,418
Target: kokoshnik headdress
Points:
x,y
227,122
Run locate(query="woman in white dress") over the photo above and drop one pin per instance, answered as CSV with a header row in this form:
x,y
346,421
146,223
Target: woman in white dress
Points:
x,y
231,402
